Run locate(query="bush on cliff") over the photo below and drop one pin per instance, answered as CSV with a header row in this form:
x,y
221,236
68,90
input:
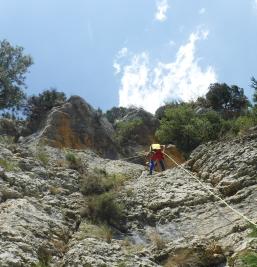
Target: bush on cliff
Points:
x,y
100,182
127,130
37,107
185,128
105,209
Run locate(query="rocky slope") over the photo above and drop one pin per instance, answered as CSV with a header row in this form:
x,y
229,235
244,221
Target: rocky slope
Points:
x,y
171,220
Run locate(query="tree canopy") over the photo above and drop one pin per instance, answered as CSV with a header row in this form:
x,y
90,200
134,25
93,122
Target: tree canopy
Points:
x,y
37,107
13,67
229,100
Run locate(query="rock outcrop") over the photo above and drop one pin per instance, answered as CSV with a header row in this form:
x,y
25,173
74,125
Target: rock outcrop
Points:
x,y
77,125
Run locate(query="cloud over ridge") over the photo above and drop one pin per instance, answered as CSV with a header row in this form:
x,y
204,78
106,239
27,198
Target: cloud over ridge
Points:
x,y
148,86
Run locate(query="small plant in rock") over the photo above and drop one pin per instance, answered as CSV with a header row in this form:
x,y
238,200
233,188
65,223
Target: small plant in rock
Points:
x,y
73,161
253,231
183,257
107,233
42,155
122,264
55,190
7,140
249,259
157,240
8,165
105,209
44,257
100,182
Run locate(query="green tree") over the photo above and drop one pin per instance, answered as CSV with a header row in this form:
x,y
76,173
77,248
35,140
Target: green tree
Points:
x,y
254,86
229,101
186,129
37,107
13,67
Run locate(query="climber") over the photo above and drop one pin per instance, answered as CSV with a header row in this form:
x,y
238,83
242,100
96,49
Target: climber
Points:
x,y
156,154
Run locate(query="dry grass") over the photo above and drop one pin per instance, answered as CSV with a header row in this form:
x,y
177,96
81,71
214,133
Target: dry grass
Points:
x,y
157,240
183,258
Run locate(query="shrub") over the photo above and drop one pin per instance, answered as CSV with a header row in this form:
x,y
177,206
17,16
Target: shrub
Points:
x,y
253,231
157,240
243,123
105,209
7,140
100,182
42,155
37,107
185,128
249,259
126,129
7,165
101,231
74,162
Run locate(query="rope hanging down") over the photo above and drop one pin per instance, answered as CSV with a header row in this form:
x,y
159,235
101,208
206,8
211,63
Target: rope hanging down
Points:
x,y
218,197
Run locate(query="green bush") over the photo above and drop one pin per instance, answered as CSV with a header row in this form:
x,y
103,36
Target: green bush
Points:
x,y
253,231
42,155
74,162
37,107
69,156
105,209
249,259
126,129
100,182
7,140
7,165
243,123
185,128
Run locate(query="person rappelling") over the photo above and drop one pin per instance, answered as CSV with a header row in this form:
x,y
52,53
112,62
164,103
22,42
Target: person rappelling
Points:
x,y
156,155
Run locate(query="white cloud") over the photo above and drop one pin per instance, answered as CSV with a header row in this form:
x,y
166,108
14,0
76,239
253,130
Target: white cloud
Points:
x,y
162,8
123,52
203,10
116,67
148,86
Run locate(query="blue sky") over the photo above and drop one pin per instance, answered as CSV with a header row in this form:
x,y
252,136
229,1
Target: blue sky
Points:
x,y
134,52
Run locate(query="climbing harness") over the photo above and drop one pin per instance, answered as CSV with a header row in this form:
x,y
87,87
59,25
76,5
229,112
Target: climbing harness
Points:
x,y
218,197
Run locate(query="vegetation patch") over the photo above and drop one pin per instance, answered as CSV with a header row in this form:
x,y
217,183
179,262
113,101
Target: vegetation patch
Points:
x,y
127,130
253,232
99,182
8,165
249,259
42,155
100,231
104,208
74,162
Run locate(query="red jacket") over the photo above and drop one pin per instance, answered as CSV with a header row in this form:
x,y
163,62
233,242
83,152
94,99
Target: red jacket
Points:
x,y
157,155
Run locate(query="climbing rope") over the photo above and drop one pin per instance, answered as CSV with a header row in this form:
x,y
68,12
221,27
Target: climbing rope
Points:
x,y
138,156
218,197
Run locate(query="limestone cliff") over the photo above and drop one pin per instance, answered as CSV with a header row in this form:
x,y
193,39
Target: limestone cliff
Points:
x,y
46,196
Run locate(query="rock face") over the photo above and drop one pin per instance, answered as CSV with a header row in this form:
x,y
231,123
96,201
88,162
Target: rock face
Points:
x,y
77,125
171,219
181,210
